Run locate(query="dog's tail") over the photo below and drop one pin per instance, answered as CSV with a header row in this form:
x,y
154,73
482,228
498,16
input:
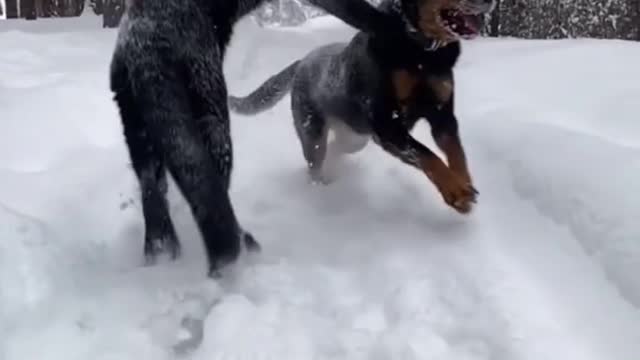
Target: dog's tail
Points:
x,y
267,95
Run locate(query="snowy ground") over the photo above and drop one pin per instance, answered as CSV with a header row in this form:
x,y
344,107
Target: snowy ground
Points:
x,y
372,267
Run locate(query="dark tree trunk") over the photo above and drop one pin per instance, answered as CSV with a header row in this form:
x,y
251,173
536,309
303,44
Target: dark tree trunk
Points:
x,y
637,19
12,9
42,8
79,8
28,9
97,6
494,20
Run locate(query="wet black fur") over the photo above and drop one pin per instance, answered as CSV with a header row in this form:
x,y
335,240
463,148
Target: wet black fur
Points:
x,y
350,84
166,73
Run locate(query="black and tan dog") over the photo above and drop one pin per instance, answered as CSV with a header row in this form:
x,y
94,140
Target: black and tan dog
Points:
x,y
377,87
167,78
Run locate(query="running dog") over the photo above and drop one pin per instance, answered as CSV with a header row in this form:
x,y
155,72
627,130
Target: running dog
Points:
x,y
375,88
166,74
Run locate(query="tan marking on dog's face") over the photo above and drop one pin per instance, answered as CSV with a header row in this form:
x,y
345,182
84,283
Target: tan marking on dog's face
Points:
x,y
429,19
442,87
404,84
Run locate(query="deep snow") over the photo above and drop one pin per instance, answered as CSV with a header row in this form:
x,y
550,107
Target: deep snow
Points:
x,y
373,266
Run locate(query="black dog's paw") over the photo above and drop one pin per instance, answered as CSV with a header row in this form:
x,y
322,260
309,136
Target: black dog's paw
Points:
x,y
157,246
250,242
215,272
219,264
318,178
229,255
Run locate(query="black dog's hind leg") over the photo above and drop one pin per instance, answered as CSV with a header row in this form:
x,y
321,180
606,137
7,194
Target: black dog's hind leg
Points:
x,y
150,171
207,93
312,130
169,118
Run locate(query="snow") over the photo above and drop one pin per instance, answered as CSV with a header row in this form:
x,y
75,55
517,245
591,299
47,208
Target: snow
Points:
x,y
374,266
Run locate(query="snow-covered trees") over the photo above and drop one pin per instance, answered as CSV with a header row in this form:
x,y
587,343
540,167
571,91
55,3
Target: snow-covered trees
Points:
x,y
33,9
566,18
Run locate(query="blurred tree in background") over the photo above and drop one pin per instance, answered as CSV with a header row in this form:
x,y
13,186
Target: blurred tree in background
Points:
x,y
555,19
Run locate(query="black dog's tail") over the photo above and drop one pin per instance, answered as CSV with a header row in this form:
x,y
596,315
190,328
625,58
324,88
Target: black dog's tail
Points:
x,y
267,95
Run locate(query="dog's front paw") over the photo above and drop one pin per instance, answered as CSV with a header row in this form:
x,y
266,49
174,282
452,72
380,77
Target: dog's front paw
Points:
x,y
461,196
455,190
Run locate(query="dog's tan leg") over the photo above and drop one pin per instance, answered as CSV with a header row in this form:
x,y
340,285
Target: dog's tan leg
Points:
x,y
452,147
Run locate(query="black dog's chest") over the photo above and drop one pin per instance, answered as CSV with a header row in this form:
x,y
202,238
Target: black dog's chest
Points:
x,y
416,92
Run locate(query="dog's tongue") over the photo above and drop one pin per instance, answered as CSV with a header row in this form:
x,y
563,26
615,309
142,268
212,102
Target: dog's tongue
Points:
x,y
466,26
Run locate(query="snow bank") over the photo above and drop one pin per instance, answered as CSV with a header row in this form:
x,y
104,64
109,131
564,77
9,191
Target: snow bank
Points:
x,y
564,124
582,182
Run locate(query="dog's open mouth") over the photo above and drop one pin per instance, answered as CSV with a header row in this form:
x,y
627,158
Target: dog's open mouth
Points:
x,y
464,25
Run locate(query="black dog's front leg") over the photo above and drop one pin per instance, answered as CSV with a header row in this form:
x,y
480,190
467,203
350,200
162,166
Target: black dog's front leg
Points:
x,y
444,130
390,134
394,138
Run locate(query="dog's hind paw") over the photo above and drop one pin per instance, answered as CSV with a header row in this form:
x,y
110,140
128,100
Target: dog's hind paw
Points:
x,y
250,242
317,177
154,247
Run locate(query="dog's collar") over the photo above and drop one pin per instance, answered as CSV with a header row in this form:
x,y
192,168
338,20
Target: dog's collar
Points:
x,y
428,44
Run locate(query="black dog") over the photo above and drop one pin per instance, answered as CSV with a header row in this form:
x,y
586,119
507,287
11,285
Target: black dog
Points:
x,y
374,87
166,73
